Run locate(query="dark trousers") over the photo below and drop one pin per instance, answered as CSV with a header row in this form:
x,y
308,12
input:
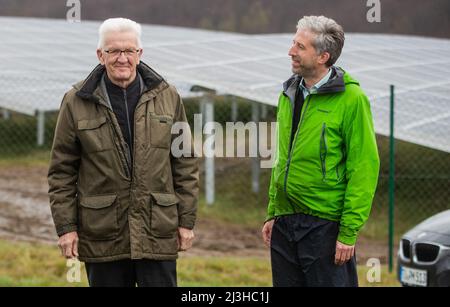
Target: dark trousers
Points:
x,y
303,249
129,273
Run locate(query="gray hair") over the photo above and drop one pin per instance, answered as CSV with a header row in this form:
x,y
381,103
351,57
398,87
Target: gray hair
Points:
x,y
119,25
329,35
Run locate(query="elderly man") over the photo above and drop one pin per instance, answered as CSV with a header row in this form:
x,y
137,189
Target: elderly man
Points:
x,y
120,200
326,172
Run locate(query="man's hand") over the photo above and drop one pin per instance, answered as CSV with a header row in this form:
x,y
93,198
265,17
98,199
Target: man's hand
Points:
x,y
185,238
343,253
68,243
267,232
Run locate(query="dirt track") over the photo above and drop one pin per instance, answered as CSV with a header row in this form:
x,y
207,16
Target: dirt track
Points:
x,y
25,216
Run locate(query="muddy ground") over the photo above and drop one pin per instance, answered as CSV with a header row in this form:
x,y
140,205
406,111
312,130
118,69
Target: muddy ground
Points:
x,y
25,216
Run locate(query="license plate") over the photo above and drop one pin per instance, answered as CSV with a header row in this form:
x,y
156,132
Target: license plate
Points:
x,y
413,277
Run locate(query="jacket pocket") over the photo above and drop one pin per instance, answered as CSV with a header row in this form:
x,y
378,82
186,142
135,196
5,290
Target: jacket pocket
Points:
x,y
98,217
94,135
160,131
323,151
164,220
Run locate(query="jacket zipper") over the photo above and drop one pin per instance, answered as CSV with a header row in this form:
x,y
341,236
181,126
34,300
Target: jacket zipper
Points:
x,y
323,151
124,165
292,147
129,129
128,114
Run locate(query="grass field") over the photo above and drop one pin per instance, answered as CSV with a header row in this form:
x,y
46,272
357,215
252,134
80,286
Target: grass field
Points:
x,y
26,264
35,157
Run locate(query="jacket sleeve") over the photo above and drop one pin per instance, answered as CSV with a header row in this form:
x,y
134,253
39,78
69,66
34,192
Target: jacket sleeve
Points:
x,y
272,193
185,171
362,165
275,170
63,172
273,177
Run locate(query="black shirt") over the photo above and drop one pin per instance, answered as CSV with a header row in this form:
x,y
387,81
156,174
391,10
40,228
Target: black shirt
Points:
x,y
123,102
299,101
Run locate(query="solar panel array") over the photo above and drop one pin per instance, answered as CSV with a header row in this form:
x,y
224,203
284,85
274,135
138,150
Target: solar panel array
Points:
x,y
41,58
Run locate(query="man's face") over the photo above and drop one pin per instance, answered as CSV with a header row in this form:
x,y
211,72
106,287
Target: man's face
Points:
x,y
121,67
305,60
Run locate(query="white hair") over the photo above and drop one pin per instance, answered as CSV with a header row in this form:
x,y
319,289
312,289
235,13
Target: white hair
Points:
x,y
119,25
329,35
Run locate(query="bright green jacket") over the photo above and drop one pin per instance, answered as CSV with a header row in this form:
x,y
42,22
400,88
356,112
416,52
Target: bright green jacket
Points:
x,y
331,171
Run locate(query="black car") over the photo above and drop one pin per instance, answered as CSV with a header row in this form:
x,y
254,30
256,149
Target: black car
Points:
x,y
424,253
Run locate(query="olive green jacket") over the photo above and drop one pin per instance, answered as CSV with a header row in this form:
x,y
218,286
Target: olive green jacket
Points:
x,y
121,211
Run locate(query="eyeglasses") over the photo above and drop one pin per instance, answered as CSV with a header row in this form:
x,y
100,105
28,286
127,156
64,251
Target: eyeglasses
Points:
x,y
117,52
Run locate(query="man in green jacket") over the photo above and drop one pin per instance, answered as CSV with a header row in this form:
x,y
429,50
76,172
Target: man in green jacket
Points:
x,y
326,169
121,200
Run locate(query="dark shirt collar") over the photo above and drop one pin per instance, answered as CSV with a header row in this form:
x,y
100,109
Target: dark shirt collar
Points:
x,y
113,88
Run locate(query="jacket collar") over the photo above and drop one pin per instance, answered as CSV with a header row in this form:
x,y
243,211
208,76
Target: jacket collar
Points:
x,y
335,84
91,89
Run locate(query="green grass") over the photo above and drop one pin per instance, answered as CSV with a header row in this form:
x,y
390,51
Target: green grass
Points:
x,y
386,279
232,212
235,202
223,272
18,134
34,157
26,264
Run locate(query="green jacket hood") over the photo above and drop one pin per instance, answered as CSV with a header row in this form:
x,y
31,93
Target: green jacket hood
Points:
x,y
338,80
